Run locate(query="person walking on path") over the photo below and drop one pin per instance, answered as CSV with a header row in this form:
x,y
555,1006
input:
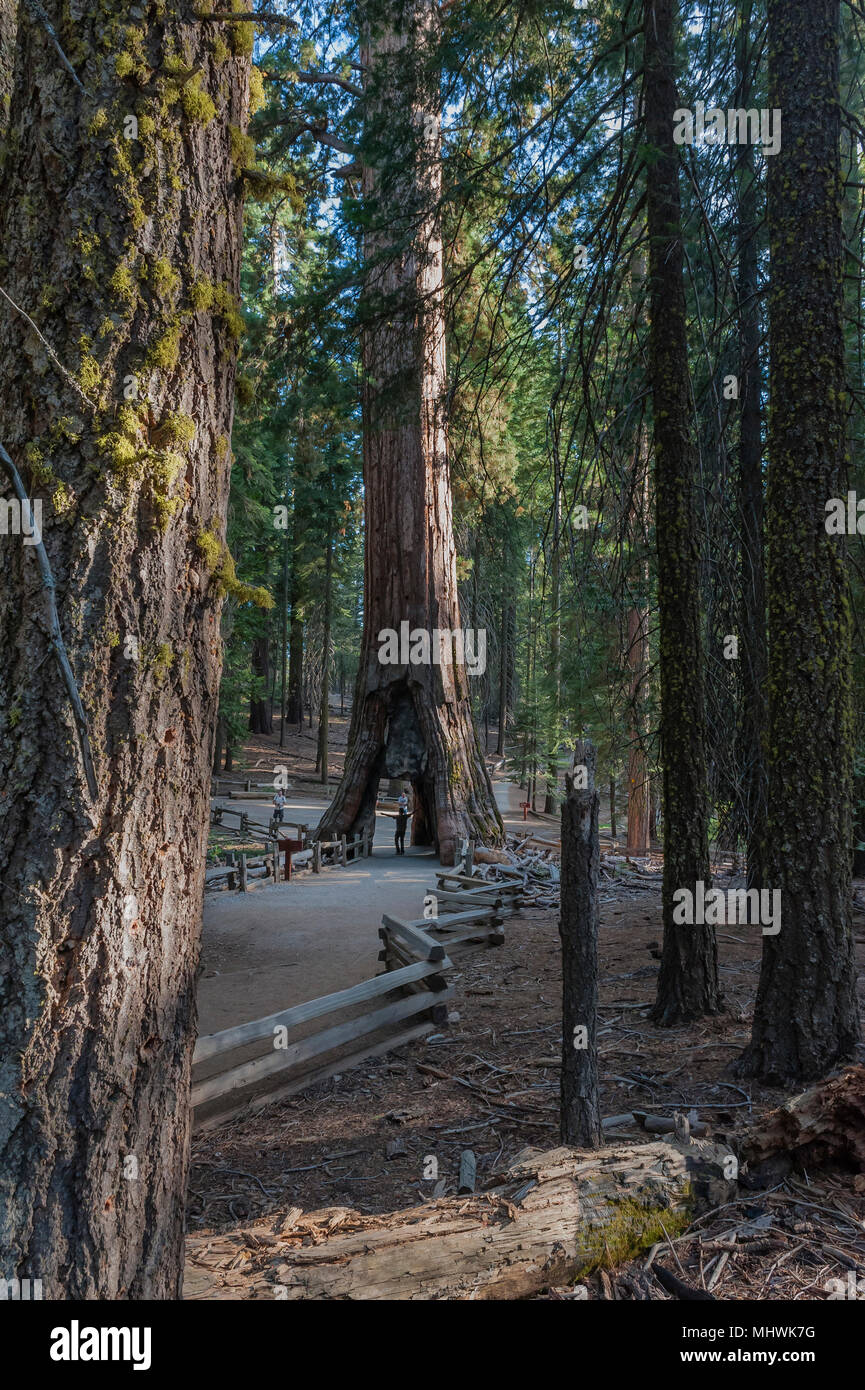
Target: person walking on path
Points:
x,y
278,807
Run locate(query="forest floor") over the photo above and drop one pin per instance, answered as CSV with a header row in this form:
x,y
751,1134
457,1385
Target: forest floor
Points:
x,y
489,1082
362,1141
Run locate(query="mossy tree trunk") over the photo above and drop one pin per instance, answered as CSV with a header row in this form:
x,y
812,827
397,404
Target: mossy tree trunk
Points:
x,y
8,24
409,721
120,228
805,1019
688,979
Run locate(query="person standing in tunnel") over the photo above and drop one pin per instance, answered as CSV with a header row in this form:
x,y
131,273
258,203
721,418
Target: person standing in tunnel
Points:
x,y
401,823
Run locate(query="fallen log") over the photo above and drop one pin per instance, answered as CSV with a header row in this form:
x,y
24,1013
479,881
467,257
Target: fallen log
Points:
x,y
490,856
552,1218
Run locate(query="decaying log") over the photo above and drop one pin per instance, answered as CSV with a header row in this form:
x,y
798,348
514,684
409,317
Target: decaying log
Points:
x,y
823,1125
552,1218
490,856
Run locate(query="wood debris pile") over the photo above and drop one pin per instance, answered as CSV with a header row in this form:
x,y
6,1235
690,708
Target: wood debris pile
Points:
x,y
538,861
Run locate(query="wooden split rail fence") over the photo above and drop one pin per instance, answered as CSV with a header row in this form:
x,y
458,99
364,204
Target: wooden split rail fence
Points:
x,y
469,909
301,850
387,1012
406,1002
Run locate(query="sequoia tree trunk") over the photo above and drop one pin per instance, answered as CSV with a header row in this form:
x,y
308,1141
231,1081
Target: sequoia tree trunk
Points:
x,y
120,225
805,1019
688,978
408,720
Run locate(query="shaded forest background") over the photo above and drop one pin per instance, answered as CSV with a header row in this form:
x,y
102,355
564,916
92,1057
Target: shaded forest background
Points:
x,y
547,349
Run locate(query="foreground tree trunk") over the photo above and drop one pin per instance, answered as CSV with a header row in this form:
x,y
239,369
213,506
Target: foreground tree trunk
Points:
x,y
125,255
579,1108
805,1019
408,720
688,979
552,1218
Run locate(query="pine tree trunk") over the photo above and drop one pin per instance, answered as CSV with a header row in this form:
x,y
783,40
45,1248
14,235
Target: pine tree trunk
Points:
x,y
324,707
638,832
550,800
103,238
638,766
805,1019
299,595
412,721
580,1110
752,579
294,706
503,680
260,720
688,979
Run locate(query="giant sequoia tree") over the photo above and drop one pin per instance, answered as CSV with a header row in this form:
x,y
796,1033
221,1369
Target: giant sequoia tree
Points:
x,y
119,224
805,1018
688,980
408,720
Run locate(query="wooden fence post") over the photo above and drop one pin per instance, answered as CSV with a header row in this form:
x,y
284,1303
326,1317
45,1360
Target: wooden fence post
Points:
x,y
580,1112
316,857
243,873
342,850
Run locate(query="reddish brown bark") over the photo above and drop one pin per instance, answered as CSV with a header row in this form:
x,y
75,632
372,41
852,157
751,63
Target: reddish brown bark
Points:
x,y
411,721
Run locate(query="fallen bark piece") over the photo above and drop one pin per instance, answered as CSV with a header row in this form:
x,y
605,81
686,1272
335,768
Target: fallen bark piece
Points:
x,y
468,1171
661,1124
553,1217
825,1124
668,1280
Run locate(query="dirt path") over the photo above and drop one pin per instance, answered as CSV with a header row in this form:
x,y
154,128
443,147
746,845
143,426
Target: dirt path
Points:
x,y
282,944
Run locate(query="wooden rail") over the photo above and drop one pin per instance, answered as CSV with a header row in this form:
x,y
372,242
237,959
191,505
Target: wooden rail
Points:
x,y
407,1002
358,846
